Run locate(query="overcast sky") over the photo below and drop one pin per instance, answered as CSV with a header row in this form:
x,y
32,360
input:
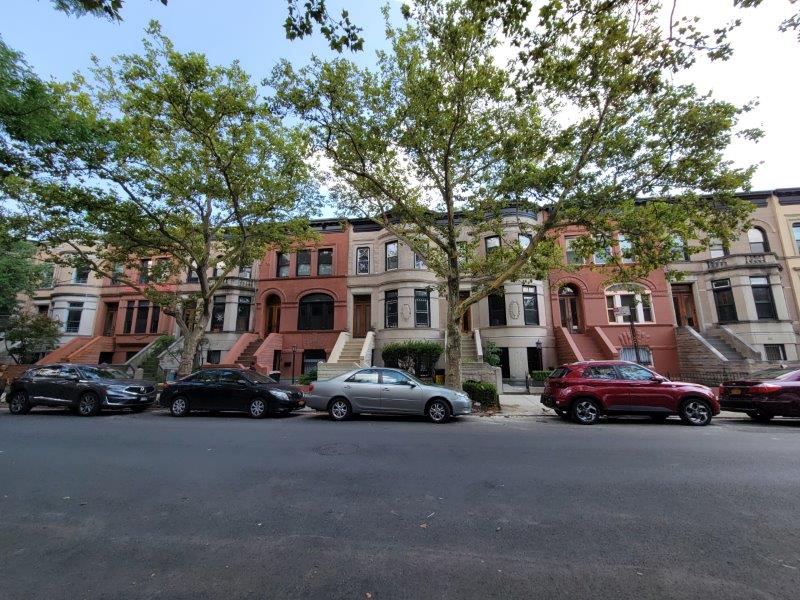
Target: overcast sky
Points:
x,y
765,65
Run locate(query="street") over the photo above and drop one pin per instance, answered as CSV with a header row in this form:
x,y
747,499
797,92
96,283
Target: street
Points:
x,y
150,506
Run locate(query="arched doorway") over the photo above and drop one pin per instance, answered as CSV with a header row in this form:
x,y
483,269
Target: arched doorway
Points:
x,y
569,306
273,309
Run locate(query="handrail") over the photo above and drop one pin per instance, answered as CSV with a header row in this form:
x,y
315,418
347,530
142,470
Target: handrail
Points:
x,y
336,352
691,331
478,345
739,344
365,357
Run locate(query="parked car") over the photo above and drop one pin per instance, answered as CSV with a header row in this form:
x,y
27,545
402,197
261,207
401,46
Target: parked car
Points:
x,y
84,389
584,391
232,390
385,391
775,394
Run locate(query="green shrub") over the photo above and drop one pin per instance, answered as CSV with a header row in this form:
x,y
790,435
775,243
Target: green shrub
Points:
x,y
482,393
415,356
491,354
307,378
540,375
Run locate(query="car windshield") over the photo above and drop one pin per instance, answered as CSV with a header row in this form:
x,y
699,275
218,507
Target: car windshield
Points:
x,y
100,373
256,377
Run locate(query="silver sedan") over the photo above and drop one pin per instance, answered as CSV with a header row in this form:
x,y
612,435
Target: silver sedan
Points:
x,y
385,391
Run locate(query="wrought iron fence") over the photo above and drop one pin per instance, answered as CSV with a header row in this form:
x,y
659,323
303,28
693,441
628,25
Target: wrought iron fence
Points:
x,y
711,378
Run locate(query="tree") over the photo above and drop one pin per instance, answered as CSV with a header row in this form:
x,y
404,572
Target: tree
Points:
x,y
180,162
28,335
18,271
438,140
109,9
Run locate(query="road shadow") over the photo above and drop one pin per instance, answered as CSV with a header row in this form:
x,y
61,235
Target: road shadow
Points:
x,y
377,418
221,414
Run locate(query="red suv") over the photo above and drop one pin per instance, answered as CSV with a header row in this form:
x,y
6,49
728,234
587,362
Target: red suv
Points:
x,y
587,390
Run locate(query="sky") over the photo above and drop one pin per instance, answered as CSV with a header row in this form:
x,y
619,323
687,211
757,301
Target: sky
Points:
x,y
764,65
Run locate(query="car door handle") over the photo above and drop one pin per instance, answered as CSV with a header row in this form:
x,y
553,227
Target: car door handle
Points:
x,y
386,389
345,387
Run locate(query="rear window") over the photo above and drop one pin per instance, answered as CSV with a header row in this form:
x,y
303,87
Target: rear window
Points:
x,y
559,373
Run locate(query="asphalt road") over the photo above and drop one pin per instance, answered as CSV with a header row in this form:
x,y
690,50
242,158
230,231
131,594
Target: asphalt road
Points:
x,y
150,506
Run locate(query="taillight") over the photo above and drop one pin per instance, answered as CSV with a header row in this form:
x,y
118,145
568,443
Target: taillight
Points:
x,y
764,388
311,388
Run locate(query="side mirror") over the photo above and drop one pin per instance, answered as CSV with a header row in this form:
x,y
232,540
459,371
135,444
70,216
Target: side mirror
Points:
x,y
659,379
72,378
411,384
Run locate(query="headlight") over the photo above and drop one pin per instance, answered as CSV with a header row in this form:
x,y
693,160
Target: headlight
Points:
x,y
280,395
119,389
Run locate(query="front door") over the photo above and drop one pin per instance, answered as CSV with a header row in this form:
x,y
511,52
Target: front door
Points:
x,y
361,315
570,314
273,315
111,319
466,319
505,364
399,394
683,299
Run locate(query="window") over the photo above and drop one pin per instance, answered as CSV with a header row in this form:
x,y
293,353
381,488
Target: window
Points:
x,y
218,313
524,240
312,358
572,257
116,273
142,314
633,297
154,319
717,249
43,309
213,357
81,273
246,272
418,262
191,275
634,373
218,270
762,296
316,312
390,309
796,231
283,265
128,324
629,353
243,313
389,377
680,249
600,372
422,308
365,376
625,249
303,263
391,256
206,376
602,257
362,261
74,317
325,262
775,351
497,310
492,243
723,300
758,240
530,305
144,270
47,275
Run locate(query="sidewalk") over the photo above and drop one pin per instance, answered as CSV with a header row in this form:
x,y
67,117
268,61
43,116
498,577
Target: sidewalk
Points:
x,y
528,405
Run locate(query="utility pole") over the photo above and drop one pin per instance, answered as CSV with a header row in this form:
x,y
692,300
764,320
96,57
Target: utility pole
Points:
x,y
633,336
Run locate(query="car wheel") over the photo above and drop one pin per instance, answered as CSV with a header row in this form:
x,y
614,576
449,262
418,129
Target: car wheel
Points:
x,y
696,412
659,418
438,411
179,407
18,403
89,405
761,416
340,409
258,408
585,411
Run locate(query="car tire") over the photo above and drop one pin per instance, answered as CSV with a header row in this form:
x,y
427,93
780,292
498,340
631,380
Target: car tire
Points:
x,y
18,404
438,411
179,407
258,408
340,409
585,411
760,416
695,412
88,405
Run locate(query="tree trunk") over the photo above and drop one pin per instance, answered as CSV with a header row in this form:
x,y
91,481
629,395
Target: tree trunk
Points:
x,y
197,328
452,372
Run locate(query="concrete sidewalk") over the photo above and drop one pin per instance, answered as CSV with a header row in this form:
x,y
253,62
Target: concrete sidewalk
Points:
x,y
528,405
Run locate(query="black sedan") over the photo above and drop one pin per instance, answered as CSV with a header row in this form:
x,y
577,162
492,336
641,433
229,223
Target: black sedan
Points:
x,y
762,398
231,390
83,389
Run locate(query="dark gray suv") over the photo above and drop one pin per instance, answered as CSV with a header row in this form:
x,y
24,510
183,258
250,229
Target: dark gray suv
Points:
x,y
84,389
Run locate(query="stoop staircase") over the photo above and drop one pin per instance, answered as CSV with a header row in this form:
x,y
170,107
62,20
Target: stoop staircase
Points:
x,y
246,357
351,352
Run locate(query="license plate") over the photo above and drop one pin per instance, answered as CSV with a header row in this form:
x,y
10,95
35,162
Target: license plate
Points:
x,y
142,398
736,392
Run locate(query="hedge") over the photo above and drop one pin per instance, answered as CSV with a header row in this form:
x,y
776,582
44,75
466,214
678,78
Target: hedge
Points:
x,y
415,356
540,375
482,393
308,377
